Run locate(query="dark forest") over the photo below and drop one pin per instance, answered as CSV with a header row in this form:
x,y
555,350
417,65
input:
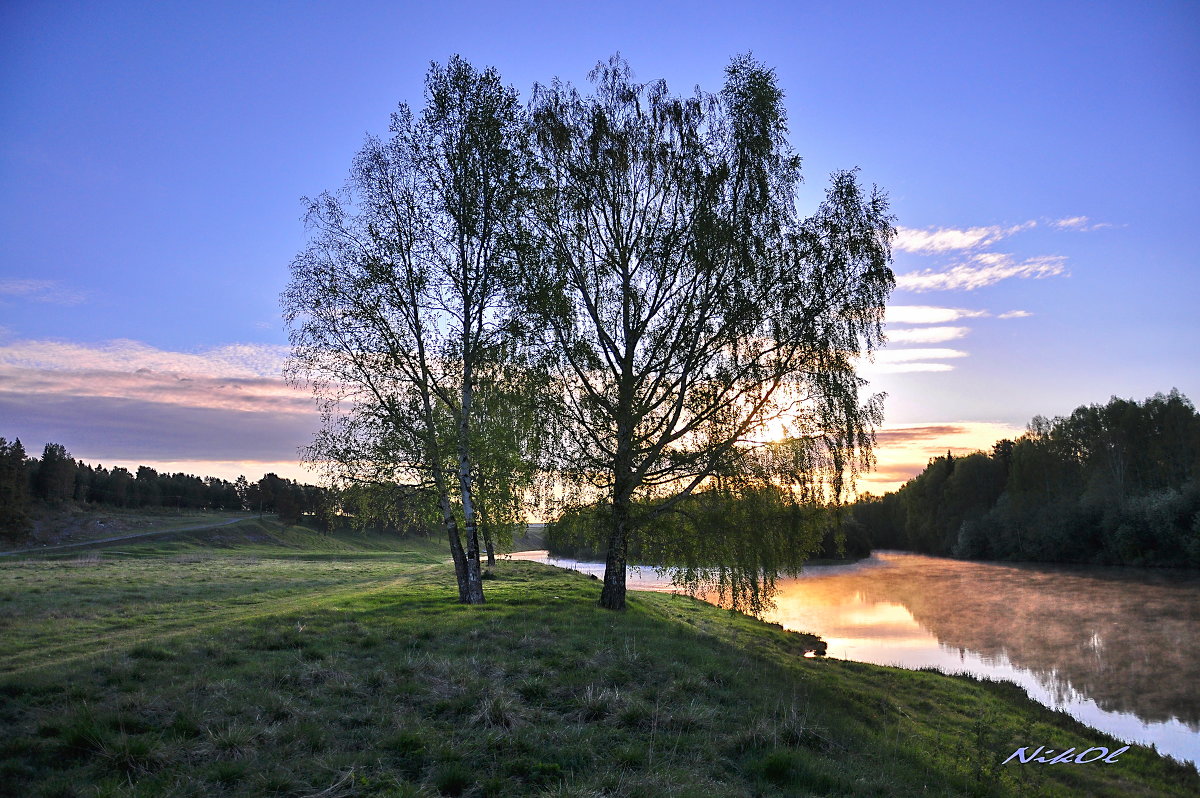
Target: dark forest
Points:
x,y
1112,484
29,484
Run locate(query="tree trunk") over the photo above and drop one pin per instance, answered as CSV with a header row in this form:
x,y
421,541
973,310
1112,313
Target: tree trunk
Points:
x,y
474,572
461,569
490,545
612,596
484,525
434,452
456,549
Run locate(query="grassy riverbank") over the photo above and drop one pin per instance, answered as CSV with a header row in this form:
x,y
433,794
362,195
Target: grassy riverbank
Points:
x,y
259,661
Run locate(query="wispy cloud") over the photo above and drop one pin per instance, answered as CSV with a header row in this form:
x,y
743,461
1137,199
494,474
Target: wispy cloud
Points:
x,y
252,395
938,330
900,361
926,335
978,266
909,355
123,355
980,270
898,436
903,368
1080,223
928,314
902,452
908,361
1073,222
105,429
48,291
966,264
935,240
127,400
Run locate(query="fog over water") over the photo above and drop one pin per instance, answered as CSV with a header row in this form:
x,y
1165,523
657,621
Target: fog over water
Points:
x,y
1118,648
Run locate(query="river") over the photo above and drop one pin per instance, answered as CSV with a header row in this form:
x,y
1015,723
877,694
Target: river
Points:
x,y
1117,648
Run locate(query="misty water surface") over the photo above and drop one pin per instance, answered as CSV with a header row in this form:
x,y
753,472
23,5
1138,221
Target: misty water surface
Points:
x,y
1118,648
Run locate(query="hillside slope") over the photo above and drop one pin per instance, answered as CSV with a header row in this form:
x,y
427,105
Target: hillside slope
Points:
x,y
282,662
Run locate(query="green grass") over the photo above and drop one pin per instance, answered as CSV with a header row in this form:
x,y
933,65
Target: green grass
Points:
x,y
74,525
282,662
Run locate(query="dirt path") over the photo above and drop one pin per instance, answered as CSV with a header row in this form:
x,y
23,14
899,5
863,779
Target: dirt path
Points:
x,y
43,549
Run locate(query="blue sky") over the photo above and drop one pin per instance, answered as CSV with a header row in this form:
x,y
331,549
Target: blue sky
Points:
x,y
1041,159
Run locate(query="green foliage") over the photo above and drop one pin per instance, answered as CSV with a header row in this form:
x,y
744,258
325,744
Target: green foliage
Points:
x,y
389,507
733,543
722,541
1109,484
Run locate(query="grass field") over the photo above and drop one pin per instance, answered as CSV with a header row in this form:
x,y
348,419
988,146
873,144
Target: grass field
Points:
x,y
254,660
73,525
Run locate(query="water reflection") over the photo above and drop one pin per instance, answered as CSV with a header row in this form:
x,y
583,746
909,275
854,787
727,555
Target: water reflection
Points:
x,y
1117,648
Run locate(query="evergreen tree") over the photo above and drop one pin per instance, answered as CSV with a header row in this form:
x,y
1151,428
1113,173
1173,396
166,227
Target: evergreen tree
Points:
x,y
14,489
54,477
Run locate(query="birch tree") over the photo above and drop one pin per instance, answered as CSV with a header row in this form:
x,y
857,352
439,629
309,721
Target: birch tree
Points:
x,y
399,302
690,306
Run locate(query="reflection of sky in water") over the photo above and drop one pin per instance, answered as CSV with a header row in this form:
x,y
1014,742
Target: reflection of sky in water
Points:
x,y
1119,649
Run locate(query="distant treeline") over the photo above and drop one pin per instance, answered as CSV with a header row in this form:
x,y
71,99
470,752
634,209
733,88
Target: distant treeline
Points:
x,y
1115,484
27,483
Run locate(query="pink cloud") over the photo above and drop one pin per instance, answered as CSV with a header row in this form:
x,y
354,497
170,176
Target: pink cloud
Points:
x,y
230,393
125,400
903,452
233,360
